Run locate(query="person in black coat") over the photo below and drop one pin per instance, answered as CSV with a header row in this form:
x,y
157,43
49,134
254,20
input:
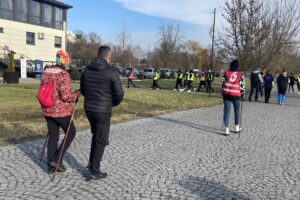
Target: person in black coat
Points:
x,y
291,82
268,84
101,87
282,83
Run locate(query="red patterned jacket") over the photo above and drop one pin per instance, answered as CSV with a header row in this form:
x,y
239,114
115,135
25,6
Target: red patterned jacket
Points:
x,y
63,97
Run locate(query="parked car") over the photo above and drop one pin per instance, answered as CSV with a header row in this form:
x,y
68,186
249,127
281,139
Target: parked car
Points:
x,y
165,73
148,72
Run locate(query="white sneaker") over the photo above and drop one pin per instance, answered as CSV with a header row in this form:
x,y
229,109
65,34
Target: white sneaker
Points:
x,y
226,131
189,91
181,90
174,89
237,129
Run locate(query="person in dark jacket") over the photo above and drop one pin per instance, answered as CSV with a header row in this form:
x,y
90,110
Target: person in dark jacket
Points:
x,y
291,82
209,77
233,89
282,83
255,80
268,80
179,79
102,90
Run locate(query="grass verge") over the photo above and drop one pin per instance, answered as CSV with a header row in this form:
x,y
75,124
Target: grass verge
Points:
x,y
21,118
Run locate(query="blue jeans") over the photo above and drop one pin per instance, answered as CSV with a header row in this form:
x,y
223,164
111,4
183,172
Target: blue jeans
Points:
x,y
227,105
256,88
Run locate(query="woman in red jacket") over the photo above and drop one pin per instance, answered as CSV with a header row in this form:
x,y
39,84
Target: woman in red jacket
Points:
x,y
59,114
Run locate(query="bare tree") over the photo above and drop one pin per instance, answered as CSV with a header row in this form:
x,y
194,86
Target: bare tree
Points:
x,y
123,36
169,37
258,30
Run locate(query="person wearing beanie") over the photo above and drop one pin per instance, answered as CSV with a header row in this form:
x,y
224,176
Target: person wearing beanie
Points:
x,y
256,80
233,89
59,115
282,84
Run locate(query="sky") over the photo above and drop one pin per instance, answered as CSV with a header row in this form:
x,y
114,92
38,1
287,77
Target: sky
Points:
x,y
143,17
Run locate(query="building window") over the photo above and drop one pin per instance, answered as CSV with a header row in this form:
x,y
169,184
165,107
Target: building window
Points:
x,y
30,38
59,18
21,10
47,21
6,9
35,13
57,42
1,30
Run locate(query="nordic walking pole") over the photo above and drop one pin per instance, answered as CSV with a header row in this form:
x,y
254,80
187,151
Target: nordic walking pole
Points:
x,y
241,116
64,142
44,146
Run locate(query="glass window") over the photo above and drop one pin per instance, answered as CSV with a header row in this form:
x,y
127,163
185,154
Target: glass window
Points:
x,y
21,11
47,15
30,38
35,12
57,42
6,10
59,18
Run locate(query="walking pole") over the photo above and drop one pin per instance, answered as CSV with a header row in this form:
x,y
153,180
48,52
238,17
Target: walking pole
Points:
x,y
44,146
241,116
64,142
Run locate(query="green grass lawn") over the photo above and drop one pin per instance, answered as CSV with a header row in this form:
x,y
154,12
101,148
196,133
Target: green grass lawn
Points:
x,y
21,118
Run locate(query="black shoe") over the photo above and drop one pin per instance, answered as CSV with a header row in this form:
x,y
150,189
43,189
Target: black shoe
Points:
x,y
60,168
250,99
97,175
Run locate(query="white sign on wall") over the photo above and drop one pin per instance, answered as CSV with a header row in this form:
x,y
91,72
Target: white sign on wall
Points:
x,y
23,68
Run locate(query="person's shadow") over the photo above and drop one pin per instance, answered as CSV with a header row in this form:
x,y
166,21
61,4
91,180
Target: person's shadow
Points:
x,y
34,151
208,189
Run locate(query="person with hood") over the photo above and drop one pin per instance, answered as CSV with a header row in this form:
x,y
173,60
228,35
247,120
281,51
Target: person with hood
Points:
x,y
101,87
59,115
233,89
255,80
282,83
268,80
291,82
209,79
179,79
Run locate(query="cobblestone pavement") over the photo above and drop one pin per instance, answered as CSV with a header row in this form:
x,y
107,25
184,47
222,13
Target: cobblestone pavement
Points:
x,y
177,156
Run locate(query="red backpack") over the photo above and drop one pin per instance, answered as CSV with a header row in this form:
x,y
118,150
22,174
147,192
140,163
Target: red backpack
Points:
x,y
45,94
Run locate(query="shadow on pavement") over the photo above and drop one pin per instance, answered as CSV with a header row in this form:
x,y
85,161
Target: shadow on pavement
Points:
x,y
214,130
208,189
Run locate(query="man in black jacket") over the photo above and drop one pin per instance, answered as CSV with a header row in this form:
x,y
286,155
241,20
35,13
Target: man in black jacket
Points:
x,y
102,89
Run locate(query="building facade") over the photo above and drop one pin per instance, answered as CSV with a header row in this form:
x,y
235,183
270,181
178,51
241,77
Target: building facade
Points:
x,y
34,29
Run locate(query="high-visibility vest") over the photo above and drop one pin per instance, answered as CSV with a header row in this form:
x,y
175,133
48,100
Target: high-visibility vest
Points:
x,y
130,75
156,76
180,75
202,77
187,75
191,77
232,84
209,76
298,79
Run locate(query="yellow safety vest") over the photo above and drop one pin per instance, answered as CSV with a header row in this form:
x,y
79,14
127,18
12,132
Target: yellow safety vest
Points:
x,y
156,76
180,75
298,79
191,77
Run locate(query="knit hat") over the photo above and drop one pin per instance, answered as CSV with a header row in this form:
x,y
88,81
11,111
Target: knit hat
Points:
x,y
62,58
234,65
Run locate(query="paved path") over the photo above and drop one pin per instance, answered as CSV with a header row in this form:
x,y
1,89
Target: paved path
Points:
x,y
176,156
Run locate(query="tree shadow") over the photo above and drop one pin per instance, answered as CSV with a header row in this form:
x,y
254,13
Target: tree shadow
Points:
x,y
208,189
192,125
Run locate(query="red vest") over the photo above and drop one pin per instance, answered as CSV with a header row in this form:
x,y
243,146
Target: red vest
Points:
x,y
232,84
130,75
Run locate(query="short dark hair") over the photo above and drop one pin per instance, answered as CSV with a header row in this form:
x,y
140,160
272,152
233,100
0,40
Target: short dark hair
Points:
x,y
104,51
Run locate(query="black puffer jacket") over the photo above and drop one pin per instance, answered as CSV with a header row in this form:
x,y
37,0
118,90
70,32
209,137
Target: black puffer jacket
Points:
x,y
101,87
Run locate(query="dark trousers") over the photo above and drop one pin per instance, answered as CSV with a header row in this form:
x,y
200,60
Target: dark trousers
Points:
x,y
100,126
291,86
54,123
209,88
178,82
155,84
130,82
256,88
267,94
190,86
200,85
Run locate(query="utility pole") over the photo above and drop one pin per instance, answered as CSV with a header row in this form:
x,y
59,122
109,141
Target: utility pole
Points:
x,y
212,45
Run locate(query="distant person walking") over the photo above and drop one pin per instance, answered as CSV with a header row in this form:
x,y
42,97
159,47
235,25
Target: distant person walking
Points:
x,y
255,80
291,82
191,79
282,83
101,87
155,80
202,80
130,77
179,79
233,89
268,84
59,115
209,79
